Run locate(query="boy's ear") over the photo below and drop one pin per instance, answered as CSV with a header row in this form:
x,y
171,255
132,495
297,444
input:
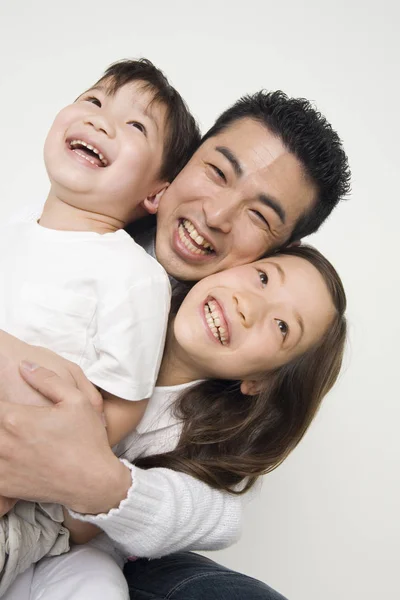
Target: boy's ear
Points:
x,y
150,204
250,387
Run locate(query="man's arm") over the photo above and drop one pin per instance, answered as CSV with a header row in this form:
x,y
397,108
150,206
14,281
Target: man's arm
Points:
x,y
121,416
61,454
58,453
158,510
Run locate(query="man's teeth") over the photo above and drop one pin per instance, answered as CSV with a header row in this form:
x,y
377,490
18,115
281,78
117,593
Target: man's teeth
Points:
x,y
74,143
214,323
188,226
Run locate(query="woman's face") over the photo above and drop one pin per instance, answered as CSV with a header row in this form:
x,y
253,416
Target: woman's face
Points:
x,y
245,321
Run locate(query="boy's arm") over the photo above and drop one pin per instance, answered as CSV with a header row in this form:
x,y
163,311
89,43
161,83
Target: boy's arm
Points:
x,y
121,416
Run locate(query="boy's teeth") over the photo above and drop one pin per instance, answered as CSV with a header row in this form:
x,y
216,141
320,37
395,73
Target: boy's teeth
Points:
x,y
75,143
194,234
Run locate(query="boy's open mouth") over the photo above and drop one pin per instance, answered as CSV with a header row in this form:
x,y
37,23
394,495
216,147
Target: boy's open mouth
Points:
x,y
87,151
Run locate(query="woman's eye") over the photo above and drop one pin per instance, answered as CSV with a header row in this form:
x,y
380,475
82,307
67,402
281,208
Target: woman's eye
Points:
x,y
218,171
93,100
263,277
283,327
138,125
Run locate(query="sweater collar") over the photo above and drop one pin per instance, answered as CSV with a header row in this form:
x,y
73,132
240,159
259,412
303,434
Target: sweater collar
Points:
x,y
160,408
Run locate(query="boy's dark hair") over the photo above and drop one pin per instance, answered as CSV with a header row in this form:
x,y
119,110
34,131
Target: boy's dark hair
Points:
x,y
306,134
182,132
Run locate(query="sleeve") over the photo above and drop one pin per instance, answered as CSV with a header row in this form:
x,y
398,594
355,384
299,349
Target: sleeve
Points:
x,y
129,340
166,511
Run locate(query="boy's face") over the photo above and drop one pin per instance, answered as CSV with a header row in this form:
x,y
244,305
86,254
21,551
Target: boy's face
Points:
x,y
104,152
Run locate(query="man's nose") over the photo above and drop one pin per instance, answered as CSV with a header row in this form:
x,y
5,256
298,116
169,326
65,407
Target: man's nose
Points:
x,y
220,212
101,123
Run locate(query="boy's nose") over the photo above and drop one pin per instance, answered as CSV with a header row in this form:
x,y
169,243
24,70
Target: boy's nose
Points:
x,y
100,123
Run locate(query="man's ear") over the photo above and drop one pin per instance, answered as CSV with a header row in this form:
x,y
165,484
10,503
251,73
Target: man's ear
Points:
x,y
150,204
249,387
294,244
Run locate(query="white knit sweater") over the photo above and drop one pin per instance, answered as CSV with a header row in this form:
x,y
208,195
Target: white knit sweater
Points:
x,y
165,511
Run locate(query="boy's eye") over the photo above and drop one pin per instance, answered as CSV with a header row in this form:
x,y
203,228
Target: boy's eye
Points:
x,y
138,125
93,100
263,277
283,327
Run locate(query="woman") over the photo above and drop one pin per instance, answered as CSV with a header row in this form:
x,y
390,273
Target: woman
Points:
x,y
266,342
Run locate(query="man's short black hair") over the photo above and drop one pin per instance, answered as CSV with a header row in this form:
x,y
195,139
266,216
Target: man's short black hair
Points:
x,y
308,136
182,132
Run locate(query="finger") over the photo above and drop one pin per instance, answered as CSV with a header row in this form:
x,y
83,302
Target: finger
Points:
x,y
87,388
47,383
6,505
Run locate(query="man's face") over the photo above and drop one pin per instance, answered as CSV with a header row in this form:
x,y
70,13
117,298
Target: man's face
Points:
x,y
238,197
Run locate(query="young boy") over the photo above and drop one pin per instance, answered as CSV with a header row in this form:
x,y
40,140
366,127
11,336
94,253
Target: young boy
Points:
x,y
74,281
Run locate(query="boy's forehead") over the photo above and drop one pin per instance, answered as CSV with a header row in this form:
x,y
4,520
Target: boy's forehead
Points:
x,y
136,89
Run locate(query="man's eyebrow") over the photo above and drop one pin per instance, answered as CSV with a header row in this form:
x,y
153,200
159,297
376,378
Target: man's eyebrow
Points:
x,y
275,205
237,167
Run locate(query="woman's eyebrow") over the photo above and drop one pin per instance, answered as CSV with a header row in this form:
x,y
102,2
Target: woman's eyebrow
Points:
x,y
281,272
282,276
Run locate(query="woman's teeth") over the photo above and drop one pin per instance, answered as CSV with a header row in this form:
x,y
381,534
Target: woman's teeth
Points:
x,y
187,230
214,322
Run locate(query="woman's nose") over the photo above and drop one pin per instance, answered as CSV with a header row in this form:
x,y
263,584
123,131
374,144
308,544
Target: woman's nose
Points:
x,y
249,307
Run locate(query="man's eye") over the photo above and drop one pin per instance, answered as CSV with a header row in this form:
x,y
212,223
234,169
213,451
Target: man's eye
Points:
x,y
218,171
93,100
260,216
263,277
138,125
284,327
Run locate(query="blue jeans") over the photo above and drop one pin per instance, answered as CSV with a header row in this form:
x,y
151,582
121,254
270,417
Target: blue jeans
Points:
x,y
188,576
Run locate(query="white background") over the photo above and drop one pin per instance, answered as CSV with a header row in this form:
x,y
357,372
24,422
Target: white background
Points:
x,y
326,525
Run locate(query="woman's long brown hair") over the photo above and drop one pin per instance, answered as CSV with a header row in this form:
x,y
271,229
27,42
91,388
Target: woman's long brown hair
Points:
x,y
228,439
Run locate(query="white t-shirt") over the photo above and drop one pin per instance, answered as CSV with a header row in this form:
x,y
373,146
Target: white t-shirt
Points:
x,y
99,300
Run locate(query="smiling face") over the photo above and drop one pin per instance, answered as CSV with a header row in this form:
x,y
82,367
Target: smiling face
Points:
x,y
104,152
238,197
251,319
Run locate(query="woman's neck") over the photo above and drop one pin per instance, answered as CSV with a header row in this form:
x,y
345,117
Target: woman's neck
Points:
x,y
176,367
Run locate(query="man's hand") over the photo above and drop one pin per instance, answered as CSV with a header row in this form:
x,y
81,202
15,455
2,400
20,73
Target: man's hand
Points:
x,y
59,453
6,504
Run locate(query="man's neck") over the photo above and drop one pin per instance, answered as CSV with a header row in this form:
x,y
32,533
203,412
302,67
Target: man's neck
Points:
x,y
61,216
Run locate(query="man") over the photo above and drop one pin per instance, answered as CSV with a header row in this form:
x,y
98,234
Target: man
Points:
x,y
268,173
